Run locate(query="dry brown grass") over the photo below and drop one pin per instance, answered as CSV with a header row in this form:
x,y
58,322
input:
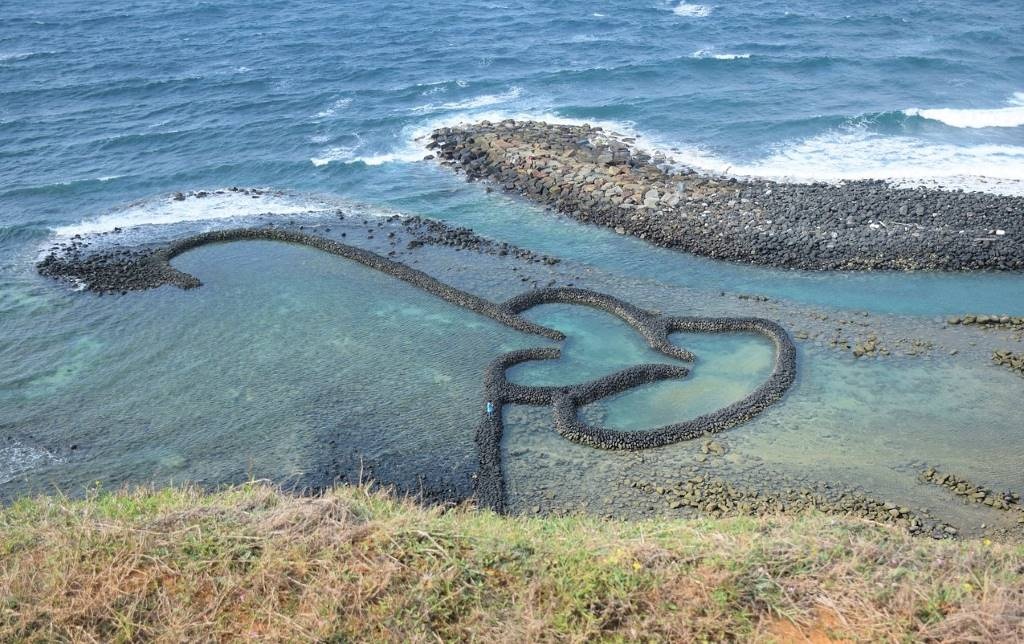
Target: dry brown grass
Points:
x,y
254,563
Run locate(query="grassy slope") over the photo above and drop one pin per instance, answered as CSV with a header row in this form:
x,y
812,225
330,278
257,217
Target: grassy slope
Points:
x,y
251,562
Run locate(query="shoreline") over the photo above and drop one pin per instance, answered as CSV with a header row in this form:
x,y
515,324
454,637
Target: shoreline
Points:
x,y
593,177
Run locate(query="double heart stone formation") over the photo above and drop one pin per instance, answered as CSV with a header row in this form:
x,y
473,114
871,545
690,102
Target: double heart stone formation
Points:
x,y
151,269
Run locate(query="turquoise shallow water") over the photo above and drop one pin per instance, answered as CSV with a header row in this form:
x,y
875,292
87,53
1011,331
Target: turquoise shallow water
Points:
x,y
300,367
727,369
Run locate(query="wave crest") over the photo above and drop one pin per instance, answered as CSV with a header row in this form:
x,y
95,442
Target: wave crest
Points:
x,y
476,102
707,53
853,153
198,206
1011,116
692,10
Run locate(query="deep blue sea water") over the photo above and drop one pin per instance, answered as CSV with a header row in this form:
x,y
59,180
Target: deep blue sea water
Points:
x,y
106,110
102,106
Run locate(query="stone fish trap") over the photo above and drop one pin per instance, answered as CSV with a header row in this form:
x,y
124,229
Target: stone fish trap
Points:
x,y
154,269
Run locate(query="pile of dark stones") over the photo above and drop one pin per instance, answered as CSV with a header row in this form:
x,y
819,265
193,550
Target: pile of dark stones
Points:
x,y
1006,500
602,178
1006,322
114,270
438,233
717,497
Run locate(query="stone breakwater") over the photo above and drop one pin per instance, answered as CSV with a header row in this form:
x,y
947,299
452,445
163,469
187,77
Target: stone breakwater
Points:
x,y
149,269
600,178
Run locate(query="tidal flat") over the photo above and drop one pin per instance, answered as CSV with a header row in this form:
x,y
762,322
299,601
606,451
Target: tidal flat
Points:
x,y
361,376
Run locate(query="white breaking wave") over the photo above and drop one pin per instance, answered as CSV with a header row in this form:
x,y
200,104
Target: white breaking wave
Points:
x,y
339,104
347,155
412,137
434,88
691,10
217,205
472,103
839,155
845,154
1011,116
9,58
855,153
334,153
16,56
407,153
707,53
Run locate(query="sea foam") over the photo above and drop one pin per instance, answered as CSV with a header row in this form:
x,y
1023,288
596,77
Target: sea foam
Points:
x,y
337,105
24,55
855,153
16,459
217,205
1010,116
707,53
691,10
475,102
412,137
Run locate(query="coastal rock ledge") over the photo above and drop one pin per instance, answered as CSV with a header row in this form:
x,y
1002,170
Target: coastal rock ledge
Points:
x,y
602,178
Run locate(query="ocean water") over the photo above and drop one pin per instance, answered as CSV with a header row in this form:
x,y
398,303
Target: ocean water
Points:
x,y
106,111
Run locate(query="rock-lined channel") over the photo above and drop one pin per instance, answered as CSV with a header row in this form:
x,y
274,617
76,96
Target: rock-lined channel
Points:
x,y
600,178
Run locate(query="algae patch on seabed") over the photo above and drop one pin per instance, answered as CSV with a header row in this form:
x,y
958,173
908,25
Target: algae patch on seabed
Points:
x,y
79,356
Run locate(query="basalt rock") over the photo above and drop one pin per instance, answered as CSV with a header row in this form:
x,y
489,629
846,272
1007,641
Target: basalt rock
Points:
x,y
596,177
438,233
1012,323
716,497
1006,500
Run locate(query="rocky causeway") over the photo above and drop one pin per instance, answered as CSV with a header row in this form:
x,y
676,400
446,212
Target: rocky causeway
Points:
x,y
602,178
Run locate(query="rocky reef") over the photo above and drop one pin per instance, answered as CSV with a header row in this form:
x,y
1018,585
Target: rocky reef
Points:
x,y
604,179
